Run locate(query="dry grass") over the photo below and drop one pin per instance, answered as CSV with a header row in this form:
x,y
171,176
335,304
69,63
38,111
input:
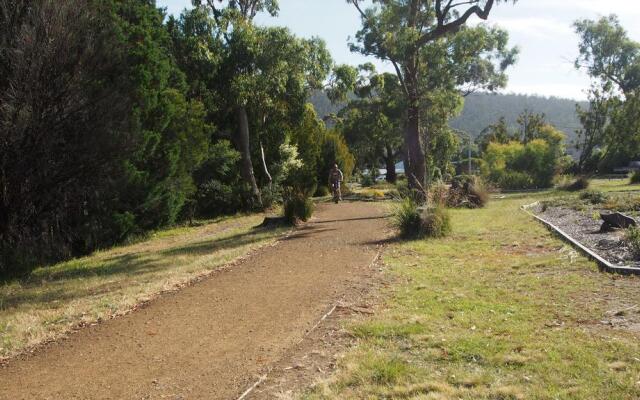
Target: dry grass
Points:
x,y
499,310
55,299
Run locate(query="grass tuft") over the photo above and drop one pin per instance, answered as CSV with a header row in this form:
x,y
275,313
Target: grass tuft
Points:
x,y
594,196
413,222
581,183
297,207
632,239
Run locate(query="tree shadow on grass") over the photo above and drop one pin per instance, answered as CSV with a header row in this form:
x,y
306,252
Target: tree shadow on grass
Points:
x,y
52,286
47,297
226,243
126,264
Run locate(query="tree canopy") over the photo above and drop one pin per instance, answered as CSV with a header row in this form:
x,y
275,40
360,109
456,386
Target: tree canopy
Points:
x,y
432,50
610,136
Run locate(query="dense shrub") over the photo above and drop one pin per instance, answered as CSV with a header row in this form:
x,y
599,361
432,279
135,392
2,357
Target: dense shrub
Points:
x,y
635,178
436,222
297,207
581,183
367,180
219,189
406,218
593,196
322,191
521,166
334,149
513,180
416,223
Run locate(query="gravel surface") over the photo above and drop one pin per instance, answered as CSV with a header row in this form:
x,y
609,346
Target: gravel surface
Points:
x,y
584,226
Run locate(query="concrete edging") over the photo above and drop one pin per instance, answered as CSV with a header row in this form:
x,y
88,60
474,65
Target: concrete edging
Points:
x,y
603,264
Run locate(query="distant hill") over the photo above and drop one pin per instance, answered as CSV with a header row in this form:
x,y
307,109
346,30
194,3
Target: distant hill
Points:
x,y
323,105
484,109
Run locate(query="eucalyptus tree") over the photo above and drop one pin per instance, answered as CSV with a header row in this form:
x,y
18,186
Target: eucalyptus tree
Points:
x,y
372,122
611,123
530,125
608,54
408,34
263,78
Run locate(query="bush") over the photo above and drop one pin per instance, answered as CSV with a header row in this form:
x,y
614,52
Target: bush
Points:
x,y
632,239
334,149
322,191
467,191
367,180
521,166
593,196
297,207
406,218
416,223
581,183
515,180
635,178
436,222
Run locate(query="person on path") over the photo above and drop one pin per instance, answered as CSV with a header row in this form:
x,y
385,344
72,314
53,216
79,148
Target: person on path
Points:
x,y
335,178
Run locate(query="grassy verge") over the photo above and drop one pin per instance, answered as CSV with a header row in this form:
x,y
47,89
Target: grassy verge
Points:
x,y
613,185
57,298
499,310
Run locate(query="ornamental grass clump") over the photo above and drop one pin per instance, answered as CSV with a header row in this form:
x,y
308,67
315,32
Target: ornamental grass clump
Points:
x,y
436,222
632,239
297,207
414,222
593,197
468,191
581,183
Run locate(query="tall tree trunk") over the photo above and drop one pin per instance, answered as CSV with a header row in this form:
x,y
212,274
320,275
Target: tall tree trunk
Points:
x,y
246,168
416,168
390,162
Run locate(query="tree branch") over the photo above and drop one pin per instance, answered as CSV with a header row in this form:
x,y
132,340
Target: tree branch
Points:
x,y
216,17
444,28
400,76
357,5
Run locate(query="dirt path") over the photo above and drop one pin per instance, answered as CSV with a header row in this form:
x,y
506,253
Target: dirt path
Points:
x,y
211,340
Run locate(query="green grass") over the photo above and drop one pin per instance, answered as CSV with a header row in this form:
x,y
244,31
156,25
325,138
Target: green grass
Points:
x,y
499,310
613,185
54,299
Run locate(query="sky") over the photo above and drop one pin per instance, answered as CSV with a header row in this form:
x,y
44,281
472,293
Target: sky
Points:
x,y
542,30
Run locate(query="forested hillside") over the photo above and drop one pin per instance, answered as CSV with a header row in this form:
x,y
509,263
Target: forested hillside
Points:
x,y
483,109
323,105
